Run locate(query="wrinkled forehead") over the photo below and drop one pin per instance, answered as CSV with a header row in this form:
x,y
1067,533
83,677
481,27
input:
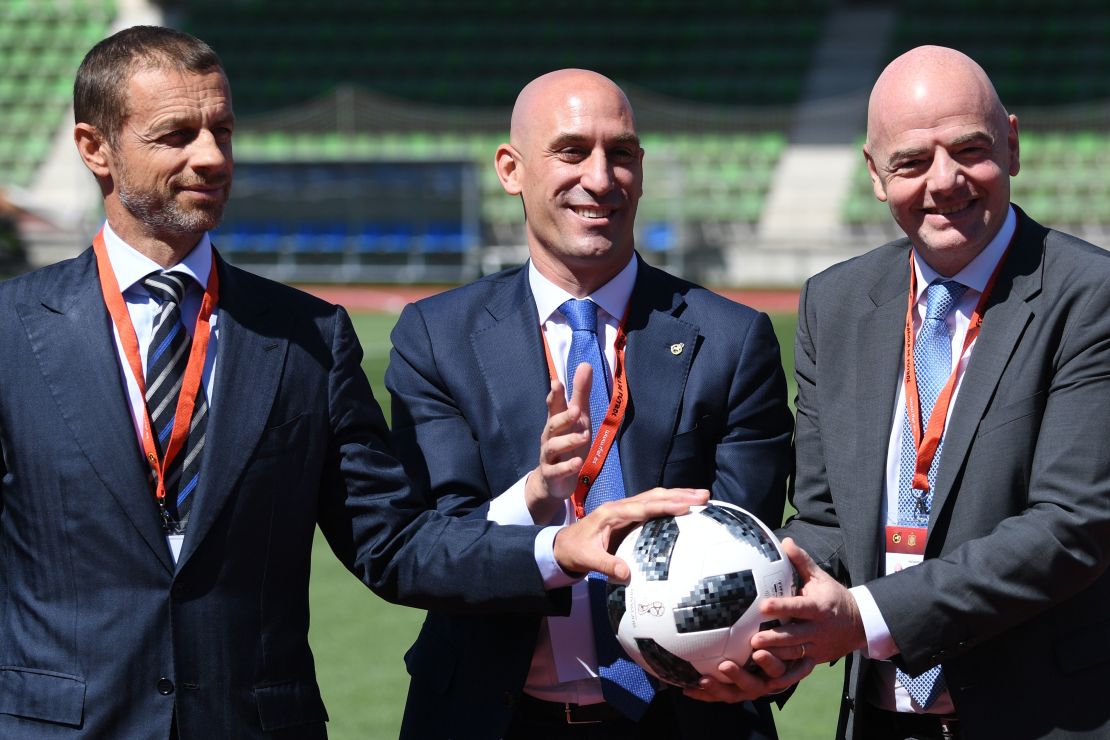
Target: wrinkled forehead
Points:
x,y
923,113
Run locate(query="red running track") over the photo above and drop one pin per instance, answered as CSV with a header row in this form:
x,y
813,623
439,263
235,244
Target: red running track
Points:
x,y
392,298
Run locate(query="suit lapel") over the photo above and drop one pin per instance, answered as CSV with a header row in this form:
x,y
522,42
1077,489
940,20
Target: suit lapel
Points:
x,y
1004,321
659,353
71,336
878,360
510,355
250,358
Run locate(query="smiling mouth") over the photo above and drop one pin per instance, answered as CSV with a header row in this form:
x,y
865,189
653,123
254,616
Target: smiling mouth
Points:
x,y
949,210
592,212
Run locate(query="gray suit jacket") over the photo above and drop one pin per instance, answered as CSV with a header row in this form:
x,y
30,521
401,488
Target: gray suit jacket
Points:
x,y
1013,598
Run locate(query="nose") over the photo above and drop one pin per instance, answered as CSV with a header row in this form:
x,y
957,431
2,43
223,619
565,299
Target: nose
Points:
x,y
945,173
208,153
597,173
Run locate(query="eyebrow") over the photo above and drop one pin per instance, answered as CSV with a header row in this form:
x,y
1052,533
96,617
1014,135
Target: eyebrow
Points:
x,y
567,139
914,152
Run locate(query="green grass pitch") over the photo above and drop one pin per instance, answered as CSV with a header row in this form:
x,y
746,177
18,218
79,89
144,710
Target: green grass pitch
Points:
x,y
359,640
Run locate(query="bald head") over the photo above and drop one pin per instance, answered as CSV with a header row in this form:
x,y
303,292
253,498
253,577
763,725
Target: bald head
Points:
x,y
941,150
924,77
563,88
575,160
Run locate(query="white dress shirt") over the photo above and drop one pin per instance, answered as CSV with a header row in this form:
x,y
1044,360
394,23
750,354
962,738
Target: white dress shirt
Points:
x,y
130,267
884,690
564,666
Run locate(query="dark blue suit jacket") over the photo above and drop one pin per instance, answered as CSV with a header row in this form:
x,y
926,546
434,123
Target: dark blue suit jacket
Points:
x,y
101,636
468,380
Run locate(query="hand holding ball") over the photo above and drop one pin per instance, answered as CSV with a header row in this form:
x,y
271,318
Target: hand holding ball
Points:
x,y
693,598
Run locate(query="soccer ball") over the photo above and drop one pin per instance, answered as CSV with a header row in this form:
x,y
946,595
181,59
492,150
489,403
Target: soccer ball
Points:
x,y
693,598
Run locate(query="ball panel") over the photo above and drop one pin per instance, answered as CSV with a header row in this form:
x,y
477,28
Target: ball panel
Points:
x,y
654,547
666,665
716,602
744,527
615,604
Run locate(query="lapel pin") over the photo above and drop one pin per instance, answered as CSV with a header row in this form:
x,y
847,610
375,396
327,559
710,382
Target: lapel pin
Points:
x,y
677,347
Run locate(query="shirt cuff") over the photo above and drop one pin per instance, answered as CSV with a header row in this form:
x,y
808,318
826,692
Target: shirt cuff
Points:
x,y
511,507
553,576
880,645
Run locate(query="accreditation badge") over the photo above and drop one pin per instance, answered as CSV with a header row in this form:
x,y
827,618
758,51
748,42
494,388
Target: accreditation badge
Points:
x,y
905,547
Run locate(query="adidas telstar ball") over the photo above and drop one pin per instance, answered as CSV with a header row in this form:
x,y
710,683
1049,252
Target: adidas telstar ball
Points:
x,y
693,598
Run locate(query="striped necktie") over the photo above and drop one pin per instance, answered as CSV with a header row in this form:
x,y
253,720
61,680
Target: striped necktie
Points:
x,y
167,356
623,683
932,359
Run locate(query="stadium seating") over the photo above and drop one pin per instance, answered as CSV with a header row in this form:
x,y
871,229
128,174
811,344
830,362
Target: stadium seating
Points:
x,y
695,179
481,52
41,44
1037,54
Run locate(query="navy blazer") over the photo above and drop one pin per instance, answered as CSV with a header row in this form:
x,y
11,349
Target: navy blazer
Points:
x,y
1013,599
468,381
101,635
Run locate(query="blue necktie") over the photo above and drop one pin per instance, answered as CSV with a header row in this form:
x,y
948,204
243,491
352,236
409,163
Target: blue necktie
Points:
x,y
167,357
932,360
623,683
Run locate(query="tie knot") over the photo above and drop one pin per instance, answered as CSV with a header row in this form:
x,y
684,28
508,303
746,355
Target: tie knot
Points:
x,y
941,297
167,287
581,315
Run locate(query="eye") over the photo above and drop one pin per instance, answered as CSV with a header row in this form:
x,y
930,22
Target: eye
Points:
x,y
178,137
572,154
908,165
222,134
623,155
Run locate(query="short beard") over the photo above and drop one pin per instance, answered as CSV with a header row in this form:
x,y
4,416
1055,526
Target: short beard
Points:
x,y
166,216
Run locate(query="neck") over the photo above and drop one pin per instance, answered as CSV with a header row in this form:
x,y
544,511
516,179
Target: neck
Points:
x,y
579,281
166,251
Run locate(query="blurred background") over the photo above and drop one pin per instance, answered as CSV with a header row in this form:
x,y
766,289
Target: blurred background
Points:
x,y
364,153
367,129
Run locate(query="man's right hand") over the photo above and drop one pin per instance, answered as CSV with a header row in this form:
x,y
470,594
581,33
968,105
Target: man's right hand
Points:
x,y
564,444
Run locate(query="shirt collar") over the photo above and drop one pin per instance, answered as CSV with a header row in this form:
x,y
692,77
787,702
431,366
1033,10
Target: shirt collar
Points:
x,y
130,266
612,297
977,273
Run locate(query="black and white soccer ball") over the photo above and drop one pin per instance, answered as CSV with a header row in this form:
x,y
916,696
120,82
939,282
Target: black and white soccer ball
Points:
x,y
693,598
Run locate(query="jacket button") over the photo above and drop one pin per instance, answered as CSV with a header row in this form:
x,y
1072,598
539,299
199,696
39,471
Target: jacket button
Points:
x,y
165,686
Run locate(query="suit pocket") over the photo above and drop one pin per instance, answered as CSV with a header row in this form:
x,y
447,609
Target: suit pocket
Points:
x,y
282,439
288,704
685,466
1012,412
42,695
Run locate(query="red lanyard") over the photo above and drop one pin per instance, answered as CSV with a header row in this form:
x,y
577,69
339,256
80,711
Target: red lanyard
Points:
x,y
186,399
928,440
610,425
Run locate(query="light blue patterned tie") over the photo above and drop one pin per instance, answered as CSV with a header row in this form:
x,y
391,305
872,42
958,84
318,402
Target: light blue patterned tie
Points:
x,y
932,360
623,683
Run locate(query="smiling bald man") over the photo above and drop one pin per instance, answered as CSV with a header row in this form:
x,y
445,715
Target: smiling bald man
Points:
x,y
952,464
484,423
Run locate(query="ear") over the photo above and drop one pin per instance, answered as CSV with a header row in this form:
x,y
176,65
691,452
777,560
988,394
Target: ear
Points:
x,y
93,149
507,163
877,186
1013,146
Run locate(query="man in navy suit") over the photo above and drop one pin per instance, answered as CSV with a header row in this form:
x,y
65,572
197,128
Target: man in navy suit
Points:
x,y
482,421
154,557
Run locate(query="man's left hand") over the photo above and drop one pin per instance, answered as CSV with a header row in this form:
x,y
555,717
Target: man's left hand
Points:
x,y
822,622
